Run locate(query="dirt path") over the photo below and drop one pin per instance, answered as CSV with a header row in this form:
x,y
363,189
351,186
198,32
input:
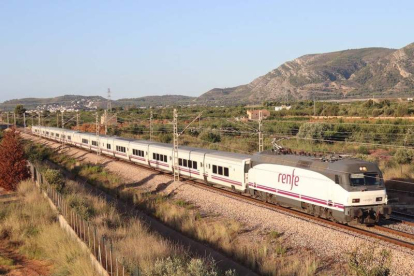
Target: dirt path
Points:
x,y
14,264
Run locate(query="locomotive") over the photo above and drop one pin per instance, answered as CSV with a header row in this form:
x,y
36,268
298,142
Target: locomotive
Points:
x,y
345,190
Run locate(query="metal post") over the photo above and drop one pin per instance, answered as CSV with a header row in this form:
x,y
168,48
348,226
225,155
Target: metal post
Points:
x,y
63,123
24,120
175,154
151,126
106,254
116,266
14,118
89,237
314,106
94,241
8,121
106,121
110,256
77,121
99,251
97,129
39,120
260,131
57,119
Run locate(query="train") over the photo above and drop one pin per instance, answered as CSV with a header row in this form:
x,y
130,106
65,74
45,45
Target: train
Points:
x,y
345,190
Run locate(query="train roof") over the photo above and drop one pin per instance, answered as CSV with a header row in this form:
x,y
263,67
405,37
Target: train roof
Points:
x,y
329,165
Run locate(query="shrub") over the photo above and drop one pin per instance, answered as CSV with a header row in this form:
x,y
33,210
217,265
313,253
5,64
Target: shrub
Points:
x,y
166,138
55,179
368,262
211,137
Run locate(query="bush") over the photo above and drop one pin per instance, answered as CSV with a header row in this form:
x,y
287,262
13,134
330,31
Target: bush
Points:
x,y
166,138
211,137
55,179
403,156
368,262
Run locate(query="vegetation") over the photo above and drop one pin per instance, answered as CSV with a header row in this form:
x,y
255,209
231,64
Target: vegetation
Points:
x,y
13,168
31,239
369,261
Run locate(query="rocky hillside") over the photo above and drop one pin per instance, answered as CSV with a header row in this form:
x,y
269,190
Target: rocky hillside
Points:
x,y
350,73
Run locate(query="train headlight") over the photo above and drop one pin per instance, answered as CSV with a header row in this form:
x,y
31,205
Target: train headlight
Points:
x,y
364,169
355,200
379,198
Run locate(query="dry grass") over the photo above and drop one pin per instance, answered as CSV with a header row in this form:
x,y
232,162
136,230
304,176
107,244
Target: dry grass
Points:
x,y
131,238
32,225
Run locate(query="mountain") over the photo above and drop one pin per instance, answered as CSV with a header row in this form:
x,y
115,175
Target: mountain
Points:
x,y
68,101
351,73
76,102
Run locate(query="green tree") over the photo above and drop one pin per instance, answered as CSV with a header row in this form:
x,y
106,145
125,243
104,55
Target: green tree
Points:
x,y
19,109
403,156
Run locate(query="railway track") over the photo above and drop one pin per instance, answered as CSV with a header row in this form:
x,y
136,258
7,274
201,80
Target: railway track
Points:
x,y
292,212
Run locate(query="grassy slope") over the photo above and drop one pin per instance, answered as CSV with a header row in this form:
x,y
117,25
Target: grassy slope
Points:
x,y
29,229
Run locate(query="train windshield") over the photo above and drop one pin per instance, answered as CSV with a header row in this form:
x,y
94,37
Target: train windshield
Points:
x,y
365,179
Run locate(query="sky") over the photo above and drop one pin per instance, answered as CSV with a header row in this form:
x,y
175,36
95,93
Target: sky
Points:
x,y
140,48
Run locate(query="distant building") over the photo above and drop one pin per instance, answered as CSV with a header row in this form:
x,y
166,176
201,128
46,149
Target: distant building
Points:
x,y
279,108
254,114
112,120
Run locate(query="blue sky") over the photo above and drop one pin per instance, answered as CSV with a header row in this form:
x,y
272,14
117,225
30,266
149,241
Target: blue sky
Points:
x,y
139,48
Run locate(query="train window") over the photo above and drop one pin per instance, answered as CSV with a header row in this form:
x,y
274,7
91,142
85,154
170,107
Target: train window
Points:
x,y
94,143
185,162
214,169
153,156
226,171
220,170
195,165
108,146
134,152
360,179
190,164
85,141
120,149
180,161
69,138
57,135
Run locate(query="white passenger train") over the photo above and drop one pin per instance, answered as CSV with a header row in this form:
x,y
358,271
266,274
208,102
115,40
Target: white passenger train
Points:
x,y
344,190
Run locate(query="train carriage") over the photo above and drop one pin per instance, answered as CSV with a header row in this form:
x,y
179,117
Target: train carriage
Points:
x,y
139,151
160,156
121,147
191,162
227,169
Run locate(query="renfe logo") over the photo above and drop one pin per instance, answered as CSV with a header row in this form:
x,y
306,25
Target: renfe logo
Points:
x,y
288,179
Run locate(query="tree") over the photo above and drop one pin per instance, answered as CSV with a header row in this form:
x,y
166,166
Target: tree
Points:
x,y
403,156
13,166
19,109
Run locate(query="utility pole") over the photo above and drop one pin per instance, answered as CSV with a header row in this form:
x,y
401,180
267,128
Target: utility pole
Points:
x,y
97,128
8,121
314,105
77,121
24,120
260,131
175,142
32,120
62,119
14,119
39,120
151,126
109,104
57,119
106,121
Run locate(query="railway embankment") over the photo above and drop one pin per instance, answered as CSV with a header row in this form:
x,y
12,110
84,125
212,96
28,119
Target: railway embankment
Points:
x,y
295,235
